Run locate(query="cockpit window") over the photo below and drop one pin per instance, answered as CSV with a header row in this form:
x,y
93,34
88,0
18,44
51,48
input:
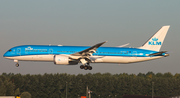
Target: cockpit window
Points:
x,y
10,50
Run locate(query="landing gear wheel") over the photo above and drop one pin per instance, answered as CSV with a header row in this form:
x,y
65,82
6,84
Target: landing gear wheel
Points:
x,y
82,67
90,68
85,67
17,65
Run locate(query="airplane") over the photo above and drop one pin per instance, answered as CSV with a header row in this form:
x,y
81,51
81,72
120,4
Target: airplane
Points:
x,y
72,55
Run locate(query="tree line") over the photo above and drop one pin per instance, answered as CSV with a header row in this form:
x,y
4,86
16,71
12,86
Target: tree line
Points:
x,y
102,85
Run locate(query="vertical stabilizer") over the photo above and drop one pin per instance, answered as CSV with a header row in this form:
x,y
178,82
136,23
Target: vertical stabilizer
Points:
x,y
156,41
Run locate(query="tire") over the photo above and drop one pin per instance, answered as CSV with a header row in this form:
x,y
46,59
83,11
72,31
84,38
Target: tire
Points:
x,y
82,67
85,67
17,65
90,68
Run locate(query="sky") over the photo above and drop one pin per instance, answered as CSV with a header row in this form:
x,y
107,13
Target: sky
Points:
x,y
86,23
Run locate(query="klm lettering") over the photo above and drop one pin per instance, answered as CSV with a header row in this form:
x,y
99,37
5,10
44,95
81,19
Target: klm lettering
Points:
x,y
154,43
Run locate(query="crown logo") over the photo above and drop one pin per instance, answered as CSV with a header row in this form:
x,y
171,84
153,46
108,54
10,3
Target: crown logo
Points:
x,y
155,39
28,48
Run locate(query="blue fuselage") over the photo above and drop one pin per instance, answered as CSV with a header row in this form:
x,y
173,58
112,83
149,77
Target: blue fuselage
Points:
x,y
26,50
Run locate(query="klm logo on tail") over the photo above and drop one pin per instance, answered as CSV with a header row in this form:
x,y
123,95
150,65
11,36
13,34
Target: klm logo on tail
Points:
x,y
154,42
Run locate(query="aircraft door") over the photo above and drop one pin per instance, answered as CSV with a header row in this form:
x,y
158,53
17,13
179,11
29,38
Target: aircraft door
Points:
x,y
50,51
19,51
134,53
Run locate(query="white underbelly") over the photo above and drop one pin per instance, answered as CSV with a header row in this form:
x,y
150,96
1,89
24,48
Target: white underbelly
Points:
x,y
115,59
95,59
33,58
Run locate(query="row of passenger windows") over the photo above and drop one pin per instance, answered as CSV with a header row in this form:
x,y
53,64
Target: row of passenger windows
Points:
x,y
36,51
121,52
50,51
68,51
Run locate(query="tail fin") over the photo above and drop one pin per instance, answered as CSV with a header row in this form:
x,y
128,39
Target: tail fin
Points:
x,y
156,41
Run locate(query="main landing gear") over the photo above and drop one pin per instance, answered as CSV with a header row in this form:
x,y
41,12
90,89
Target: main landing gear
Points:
x,y
86,64
86,67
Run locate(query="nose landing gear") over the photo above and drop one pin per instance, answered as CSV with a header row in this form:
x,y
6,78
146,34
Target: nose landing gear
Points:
x,y
17,65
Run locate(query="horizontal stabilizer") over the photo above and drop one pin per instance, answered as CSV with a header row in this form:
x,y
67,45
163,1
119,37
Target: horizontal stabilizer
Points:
x,y
159,53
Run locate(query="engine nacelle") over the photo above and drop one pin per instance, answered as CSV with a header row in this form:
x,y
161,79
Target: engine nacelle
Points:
x,y
64,60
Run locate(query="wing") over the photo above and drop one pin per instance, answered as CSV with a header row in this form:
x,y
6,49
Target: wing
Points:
x,y
89,51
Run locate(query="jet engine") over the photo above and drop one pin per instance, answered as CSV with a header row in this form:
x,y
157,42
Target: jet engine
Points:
x,y
64,60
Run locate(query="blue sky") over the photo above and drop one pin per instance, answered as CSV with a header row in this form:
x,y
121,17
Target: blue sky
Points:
x,y
79,22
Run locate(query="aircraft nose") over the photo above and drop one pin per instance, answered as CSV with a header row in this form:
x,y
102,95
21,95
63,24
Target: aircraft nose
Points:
x,y
5,54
